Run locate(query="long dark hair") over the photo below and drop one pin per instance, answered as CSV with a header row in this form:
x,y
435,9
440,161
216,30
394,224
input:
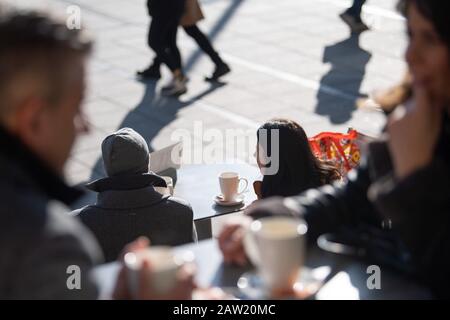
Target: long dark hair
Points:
x,y
299,169
437,11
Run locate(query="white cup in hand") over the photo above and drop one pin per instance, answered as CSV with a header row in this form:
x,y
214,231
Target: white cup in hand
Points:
x,y
164,263
276,246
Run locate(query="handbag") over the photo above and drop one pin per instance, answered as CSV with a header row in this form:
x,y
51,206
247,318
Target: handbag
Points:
x,y
192,14
342,149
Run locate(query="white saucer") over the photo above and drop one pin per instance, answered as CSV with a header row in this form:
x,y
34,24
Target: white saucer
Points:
x,y
307,285
239,200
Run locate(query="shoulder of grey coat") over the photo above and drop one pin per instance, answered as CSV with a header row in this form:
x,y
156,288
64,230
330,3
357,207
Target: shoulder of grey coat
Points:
x,y
41,246
120,216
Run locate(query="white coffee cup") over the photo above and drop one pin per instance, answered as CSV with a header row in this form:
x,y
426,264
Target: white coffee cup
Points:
x,y
229,184
164,263
276,246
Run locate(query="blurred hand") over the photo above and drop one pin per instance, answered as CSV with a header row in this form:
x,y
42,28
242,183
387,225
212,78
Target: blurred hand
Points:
x,y
413,136
232,236
231,240
182,291
138,244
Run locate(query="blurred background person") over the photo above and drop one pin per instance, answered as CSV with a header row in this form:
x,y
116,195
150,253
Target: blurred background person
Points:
x,y
162,39
192,15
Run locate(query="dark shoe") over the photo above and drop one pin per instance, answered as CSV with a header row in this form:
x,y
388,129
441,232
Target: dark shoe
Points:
x,y
220,71
151,72
355,23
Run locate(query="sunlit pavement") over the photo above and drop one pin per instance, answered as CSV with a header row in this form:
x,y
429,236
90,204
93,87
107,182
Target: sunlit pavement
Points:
x,y
290,58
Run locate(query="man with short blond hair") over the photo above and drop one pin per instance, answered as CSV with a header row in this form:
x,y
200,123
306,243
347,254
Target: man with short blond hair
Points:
x,y
41,89
46,253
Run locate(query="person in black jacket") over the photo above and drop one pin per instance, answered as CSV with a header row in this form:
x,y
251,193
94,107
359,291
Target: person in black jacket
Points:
x,y
192,15
404,183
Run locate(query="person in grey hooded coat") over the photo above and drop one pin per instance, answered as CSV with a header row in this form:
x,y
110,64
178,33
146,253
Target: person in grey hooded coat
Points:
x,y
128,205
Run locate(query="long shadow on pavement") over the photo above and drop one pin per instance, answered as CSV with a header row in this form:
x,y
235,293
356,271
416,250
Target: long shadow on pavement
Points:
x,y
340,87
153,113
148,118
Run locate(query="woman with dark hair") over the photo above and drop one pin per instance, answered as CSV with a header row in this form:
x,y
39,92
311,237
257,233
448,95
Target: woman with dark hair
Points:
x,y
438,34
298,168
402,189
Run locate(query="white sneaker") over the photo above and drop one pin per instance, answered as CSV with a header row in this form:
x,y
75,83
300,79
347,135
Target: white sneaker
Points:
x,y
176,87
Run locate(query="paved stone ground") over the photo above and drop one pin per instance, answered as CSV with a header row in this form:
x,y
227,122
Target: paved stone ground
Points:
x,y
290,58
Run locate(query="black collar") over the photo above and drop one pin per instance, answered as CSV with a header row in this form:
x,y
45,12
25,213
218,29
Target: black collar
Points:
x,y
50,183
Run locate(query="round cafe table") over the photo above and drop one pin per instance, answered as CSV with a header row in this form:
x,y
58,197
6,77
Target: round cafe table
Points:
x,y
199,185
346,277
